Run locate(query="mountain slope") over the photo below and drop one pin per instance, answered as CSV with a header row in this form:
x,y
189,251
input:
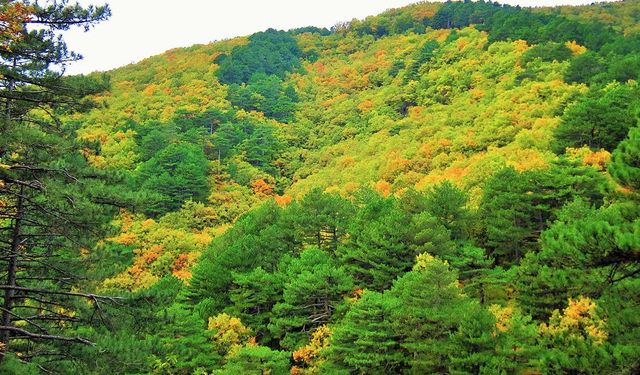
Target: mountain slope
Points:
x,y
422,191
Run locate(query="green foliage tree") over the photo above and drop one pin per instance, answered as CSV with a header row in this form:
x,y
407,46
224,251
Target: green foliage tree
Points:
x,y
253,296
322,219
624,68
516,344
364,341
504,22
506,212
517,207
598,122
177,173
430,308
257,360
156,139
314,289
547,52
625,161
256,143
585,252
474,268
258,239
270,52
378,247
423,56
447,204
52,199
584,67
266,94
475,342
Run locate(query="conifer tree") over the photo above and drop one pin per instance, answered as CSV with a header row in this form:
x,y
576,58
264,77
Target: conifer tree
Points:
x,y
364,340
625,161
253,296
430,309
600,122
52,200
314,289
378,249
322,219
257,360
586,252
176,174
447,204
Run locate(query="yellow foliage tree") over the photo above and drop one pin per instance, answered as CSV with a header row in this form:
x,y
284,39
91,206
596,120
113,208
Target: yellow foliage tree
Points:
x,y
308,356
579,320
228,333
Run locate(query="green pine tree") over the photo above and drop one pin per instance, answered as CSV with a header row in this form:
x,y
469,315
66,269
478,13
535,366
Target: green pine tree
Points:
x,y
314,289
430,308
625,161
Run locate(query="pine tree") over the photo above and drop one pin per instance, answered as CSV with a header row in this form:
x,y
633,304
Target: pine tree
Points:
x,y
257,360
51,196
364,341
315,288
600,122
322,218
505,210
625,161
430,308
585,252
447,203
518,206
474,268
258,239
475,342
253,296
378,249
177,173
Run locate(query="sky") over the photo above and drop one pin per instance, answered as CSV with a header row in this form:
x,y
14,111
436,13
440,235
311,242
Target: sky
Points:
x,y
141,28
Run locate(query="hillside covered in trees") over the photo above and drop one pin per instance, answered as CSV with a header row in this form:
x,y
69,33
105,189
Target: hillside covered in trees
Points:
x,y
442,188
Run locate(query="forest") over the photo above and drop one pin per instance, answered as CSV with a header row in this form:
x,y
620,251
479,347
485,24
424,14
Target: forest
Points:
x,y
443,188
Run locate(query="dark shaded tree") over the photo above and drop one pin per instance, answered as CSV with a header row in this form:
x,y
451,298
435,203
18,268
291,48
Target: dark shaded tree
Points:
x,y
175,174
517,207
600,121
364,341
271,52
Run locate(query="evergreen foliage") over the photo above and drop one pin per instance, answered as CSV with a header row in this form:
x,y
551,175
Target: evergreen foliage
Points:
x,y
271,52
625,165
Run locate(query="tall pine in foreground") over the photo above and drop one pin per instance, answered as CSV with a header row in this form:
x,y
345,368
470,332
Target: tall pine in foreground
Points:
x,y
52,202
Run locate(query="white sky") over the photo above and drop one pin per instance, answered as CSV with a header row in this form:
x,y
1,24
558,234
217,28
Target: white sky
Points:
x,y
141,28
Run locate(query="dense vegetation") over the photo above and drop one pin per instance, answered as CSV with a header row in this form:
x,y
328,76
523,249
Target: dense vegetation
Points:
x,y
442,188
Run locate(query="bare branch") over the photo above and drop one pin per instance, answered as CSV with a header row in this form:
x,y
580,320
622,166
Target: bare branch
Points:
x,y
74,294
36,336
25,319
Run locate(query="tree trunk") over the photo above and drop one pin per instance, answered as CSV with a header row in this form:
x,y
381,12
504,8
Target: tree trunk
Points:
x,y
12,267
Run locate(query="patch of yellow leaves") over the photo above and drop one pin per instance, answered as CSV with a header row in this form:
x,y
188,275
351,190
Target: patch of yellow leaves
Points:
x,y
575,48
597,159
308,355
579,320
383,187
229,333
503,316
